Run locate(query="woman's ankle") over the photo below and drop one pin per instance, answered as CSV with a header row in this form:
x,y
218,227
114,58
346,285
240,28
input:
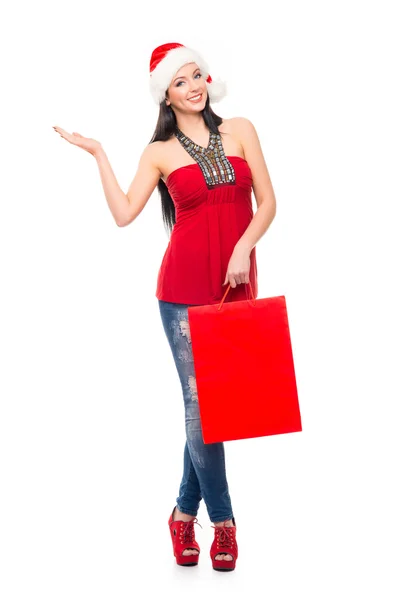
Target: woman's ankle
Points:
x,y
228,523
177,515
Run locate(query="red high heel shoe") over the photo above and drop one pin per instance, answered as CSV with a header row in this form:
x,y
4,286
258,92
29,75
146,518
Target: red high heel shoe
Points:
x,y
224,542
182,536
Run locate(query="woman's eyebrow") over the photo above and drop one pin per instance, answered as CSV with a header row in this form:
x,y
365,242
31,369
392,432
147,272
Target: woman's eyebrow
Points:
x,y
183,77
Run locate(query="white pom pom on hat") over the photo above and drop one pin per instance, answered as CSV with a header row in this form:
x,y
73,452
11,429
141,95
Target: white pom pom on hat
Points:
x,y
167,59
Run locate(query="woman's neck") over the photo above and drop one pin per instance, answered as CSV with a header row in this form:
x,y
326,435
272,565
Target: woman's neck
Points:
x,y
192,125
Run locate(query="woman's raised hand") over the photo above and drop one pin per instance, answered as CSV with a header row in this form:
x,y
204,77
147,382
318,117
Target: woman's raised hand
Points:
x,y
88,144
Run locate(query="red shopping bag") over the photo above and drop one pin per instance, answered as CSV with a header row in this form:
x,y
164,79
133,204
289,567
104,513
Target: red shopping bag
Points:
x,y
244,369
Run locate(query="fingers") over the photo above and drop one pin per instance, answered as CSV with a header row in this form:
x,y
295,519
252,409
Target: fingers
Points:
x,y
64,134
235,280
60,130
238,279
72,138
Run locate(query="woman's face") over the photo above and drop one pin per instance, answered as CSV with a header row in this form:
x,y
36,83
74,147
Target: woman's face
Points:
x,y
187,83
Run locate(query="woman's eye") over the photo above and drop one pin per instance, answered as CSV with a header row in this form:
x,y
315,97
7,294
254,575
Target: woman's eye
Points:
x,y
179,82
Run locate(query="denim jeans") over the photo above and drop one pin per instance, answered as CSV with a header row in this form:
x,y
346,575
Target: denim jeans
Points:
x,y
204,474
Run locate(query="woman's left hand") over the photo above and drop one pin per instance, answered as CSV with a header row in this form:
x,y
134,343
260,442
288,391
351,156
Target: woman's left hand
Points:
x,y
238,268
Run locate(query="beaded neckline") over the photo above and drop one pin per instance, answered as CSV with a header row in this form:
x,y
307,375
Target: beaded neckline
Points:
x,y
197,147
216,168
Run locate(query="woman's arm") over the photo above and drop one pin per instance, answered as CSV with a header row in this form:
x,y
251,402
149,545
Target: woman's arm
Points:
x,y
239,263
262,186
126,207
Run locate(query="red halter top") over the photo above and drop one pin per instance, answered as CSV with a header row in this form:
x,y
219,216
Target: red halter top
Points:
x,y
213,208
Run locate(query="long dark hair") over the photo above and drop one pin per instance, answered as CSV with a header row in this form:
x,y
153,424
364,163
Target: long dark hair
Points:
x,y
165,129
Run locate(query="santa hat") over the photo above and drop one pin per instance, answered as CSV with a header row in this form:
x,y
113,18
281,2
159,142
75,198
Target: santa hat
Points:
x,y
167,59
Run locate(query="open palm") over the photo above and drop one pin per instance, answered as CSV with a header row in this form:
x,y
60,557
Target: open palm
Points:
x,y
88,144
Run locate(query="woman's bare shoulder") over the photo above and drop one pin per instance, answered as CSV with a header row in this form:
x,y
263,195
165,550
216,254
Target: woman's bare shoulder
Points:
x,y
162,152
232,126
232,122
233,129
236,123
159,148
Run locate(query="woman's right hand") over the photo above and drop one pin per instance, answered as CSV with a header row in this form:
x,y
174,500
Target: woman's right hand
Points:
x,y
90,145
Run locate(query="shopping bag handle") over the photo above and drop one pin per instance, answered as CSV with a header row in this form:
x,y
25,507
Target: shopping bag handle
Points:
x,y
229,287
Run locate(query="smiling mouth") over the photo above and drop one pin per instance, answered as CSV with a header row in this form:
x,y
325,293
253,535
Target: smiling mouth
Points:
x,y
195,97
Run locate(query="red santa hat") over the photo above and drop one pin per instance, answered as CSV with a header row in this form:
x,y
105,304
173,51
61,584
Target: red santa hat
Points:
x,y
167,59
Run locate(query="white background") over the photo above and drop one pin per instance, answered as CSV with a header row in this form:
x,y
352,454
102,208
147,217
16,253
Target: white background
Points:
x,y
92,415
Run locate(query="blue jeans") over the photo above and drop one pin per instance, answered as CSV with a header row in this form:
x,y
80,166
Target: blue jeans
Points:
x,y
204,474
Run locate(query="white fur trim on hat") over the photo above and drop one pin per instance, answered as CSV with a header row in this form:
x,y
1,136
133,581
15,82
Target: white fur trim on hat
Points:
x,y
162,75
217,90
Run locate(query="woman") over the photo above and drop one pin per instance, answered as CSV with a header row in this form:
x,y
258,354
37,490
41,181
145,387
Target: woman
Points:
x,y
205,168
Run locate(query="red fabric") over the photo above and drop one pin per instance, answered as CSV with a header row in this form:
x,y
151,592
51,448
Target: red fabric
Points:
x,y
160,52
209,222
244,368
